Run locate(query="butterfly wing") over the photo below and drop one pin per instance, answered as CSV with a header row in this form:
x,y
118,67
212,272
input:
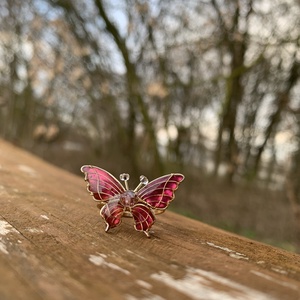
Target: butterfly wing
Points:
x,y
101,184
160,192
112,213
143,217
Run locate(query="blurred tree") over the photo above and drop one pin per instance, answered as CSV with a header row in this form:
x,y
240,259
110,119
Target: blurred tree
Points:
x,y
292,180
135,97
248,64
18,106
234,43
280,105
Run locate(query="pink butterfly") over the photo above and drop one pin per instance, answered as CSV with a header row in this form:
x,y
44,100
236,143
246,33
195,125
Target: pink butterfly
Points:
x,y
142,203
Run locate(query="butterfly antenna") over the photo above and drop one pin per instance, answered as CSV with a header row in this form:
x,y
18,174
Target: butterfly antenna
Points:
x,y
143,181
125,177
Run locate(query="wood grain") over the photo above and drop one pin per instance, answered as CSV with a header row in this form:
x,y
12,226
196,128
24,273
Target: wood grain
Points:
x,y
53,246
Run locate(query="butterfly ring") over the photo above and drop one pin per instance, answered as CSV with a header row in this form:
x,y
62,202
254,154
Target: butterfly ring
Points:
x,y
142,203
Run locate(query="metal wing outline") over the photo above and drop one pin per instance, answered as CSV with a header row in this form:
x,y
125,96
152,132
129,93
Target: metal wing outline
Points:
x,y
101,184
159,192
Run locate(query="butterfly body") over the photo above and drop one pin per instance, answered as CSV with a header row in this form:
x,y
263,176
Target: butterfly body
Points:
x,y
142,203
128,199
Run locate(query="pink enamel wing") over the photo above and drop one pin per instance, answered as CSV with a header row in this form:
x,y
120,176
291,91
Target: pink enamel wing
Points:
x,y
142,203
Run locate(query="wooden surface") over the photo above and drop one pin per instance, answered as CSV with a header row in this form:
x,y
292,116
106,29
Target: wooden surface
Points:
x,y
53,246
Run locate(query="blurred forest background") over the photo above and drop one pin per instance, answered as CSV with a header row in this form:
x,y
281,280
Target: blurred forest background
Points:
x,y
208,88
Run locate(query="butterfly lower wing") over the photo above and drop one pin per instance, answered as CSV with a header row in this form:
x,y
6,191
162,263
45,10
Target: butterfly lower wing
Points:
x,y
160,192
101,184
112,213
143,217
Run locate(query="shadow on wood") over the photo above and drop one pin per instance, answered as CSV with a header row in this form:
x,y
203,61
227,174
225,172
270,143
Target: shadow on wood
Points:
x,y
53,246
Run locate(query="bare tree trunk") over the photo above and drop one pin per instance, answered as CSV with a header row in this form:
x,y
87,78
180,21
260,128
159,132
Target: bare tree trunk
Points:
x,y
293,191
234,92
282,103
136,101
133,84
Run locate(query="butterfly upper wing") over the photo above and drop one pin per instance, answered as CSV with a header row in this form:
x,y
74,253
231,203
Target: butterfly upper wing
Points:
x,y
160,192
101,184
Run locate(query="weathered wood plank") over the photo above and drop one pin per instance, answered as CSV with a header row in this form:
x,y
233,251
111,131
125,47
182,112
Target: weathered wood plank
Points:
x,y
53,246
